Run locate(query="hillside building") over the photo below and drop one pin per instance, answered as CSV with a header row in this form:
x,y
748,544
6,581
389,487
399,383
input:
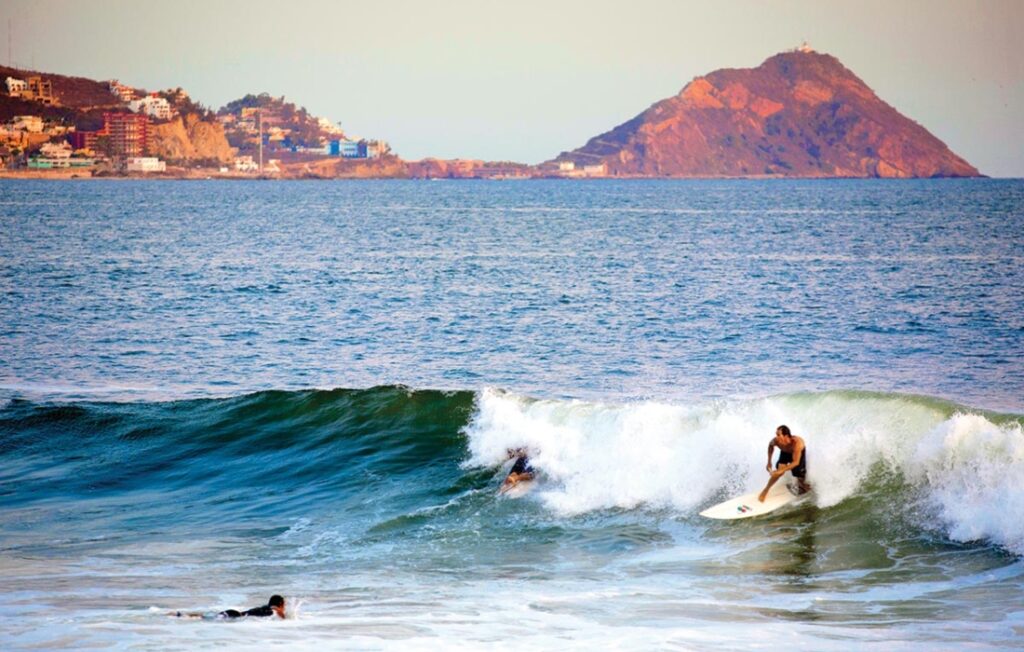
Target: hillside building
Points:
x,y
125,134
32,124
39,90
152,105
124,93
15,87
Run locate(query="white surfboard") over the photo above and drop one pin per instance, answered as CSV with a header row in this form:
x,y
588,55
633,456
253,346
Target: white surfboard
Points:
x,y
518,490
748,506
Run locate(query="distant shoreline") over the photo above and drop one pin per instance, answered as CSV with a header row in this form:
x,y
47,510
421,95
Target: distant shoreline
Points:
x,y
76,175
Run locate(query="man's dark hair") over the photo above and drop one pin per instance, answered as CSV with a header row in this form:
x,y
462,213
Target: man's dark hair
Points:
x,y
785,430
276,601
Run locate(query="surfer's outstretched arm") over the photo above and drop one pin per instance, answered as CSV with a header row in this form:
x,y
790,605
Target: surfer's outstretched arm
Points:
x,y
775,474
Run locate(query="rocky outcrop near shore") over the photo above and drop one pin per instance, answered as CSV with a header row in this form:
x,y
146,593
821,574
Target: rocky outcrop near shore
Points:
x,y
798,114
190,139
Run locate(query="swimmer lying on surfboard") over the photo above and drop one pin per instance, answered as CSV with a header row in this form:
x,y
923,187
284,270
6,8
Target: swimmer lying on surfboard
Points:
x,y
521,471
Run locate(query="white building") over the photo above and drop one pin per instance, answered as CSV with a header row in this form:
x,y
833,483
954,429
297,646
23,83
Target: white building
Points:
x,y
153,106
246,164
30,123
55,150
16,87
566,166
146,164
124,93
329,127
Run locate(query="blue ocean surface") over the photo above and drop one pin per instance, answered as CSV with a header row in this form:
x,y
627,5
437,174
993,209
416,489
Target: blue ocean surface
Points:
x,y
211,392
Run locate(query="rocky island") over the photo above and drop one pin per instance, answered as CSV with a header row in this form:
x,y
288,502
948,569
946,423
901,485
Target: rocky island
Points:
x,y
798,114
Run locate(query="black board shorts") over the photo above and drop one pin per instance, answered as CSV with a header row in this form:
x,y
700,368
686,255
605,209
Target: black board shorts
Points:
x,y
522,465
800,471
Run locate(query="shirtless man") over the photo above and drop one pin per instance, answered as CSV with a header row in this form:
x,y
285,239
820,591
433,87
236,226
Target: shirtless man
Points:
x,y
792,457
521,470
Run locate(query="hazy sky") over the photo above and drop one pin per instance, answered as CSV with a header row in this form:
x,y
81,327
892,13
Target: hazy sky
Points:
x,y
525,80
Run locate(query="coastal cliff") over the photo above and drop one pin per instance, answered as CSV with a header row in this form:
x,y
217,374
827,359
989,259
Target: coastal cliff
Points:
x,y
190,139
798,114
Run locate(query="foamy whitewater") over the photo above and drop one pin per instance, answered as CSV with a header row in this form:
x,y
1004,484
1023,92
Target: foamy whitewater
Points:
x,y
211,393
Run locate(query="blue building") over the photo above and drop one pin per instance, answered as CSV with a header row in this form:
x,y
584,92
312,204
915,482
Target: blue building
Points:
x,y
348,148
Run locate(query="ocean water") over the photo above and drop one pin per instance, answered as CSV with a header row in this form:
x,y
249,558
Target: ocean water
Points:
x,y
215,391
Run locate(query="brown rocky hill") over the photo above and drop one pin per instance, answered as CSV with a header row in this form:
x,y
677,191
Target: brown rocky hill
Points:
x,y
80,101
798,114
190,138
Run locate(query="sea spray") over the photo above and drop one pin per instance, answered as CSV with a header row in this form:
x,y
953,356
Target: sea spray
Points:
x,y
655,455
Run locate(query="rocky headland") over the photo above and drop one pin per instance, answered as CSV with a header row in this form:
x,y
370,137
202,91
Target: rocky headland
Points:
x,y
798,114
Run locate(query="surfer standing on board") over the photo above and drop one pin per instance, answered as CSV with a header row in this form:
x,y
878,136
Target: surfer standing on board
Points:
x,y
521,470
792,457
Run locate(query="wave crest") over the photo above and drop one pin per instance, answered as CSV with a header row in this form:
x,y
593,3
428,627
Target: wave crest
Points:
x,y
968,466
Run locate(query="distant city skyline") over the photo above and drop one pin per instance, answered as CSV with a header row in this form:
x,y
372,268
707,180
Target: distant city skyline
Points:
x,y
525,81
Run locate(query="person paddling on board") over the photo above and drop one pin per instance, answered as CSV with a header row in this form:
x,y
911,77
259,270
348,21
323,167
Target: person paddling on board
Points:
x,y
792,458
521,470
274,607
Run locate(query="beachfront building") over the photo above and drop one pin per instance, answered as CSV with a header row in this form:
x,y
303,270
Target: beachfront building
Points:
x,y
357,148
246,164
145,164
57,156
55,150
152,105
123,135
83,140
128,133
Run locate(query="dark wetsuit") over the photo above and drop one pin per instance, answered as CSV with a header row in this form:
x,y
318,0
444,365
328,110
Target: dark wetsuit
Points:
x,y
800,470
258,612
522,465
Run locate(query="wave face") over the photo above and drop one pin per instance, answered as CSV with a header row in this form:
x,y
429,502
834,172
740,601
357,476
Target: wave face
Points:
x,y
201,462
374,511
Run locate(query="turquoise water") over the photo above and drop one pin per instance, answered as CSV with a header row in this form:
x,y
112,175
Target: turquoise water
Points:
x,y
211,392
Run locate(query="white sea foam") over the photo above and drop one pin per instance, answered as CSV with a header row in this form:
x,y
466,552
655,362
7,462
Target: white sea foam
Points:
x,y
658,455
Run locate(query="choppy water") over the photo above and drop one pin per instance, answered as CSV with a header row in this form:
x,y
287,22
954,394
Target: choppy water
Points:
x,y
163,444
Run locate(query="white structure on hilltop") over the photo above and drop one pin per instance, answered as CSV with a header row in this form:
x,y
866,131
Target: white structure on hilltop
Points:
x,y
329,127
153,106
16,86
124,93
146,164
